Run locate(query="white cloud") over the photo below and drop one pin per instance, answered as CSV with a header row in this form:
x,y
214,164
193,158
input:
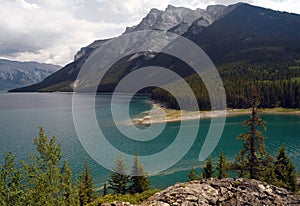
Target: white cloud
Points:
x,y
53,31
47,32
280,5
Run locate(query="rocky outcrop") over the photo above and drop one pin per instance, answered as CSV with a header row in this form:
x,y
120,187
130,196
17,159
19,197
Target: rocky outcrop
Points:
x,y
178,19
230,192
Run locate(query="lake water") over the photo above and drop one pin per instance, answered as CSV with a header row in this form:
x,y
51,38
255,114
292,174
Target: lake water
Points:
x,y
22,114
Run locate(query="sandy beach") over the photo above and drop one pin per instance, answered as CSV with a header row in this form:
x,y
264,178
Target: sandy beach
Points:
x,y
160,114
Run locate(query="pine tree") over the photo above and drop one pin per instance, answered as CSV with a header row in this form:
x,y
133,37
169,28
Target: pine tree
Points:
x,y
267,172
208,169
43,175
119,179
285,170
254,149
192,175
46,183
241,165
139,180
86,187
11,188
222,167
105,190
69,191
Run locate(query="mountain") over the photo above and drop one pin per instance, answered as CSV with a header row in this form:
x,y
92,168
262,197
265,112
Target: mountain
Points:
x,y
14,74
178,19
175,19
228,34
247,28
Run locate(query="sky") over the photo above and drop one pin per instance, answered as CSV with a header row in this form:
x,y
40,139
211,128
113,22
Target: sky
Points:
x,y
52,31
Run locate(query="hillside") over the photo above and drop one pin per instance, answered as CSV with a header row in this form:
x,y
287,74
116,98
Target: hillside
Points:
x,y
14,74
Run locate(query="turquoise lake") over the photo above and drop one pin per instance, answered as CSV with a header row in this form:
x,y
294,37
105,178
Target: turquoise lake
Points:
x,y
22,114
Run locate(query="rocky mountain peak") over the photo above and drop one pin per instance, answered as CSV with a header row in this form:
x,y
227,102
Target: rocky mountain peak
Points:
x,y
177,19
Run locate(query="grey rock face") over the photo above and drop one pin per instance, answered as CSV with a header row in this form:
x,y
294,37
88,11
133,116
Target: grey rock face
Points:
x,y
178,19
229,192
223,192
86,51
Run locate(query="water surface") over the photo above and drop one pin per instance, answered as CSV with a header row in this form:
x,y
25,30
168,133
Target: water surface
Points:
x,y
22,114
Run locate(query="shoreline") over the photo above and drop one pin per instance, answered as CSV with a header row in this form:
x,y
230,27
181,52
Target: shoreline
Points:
x,y
160,114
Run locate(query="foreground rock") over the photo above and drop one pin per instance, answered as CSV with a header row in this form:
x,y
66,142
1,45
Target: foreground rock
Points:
x,y
221,192
224,192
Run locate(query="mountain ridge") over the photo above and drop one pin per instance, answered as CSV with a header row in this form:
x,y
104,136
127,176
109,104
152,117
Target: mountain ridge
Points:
x,y
15,74
225,40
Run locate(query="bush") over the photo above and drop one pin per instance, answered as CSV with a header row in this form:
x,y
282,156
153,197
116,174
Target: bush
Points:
x,y
136,198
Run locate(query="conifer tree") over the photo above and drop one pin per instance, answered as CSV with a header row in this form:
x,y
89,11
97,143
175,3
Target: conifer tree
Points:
x,y
192,175
118,181
11,188
285,170
267,173
43,175
208,169
48,180
222,167
241,165
105,189
139,180
253,152
69,190
86,187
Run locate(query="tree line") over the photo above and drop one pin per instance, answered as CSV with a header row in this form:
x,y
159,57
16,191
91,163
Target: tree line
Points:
x,y
278,85
47,180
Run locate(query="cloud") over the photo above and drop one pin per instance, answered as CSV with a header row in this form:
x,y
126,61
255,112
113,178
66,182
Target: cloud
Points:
x,y
47,32
292,6
53,31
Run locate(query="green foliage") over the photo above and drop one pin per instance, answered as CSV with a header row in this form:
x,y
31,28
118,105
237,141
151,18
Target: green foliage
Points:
x,y
69,189
285,170
136,198
256,163
43,181
119,179
208,169
11,191
277,84
222,167
192,175
254,150
266,172
86,187
47,183
139,180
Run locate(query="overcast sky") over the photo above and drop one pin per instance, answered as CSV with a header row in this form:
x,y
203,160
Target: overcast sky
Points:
x,y
52,31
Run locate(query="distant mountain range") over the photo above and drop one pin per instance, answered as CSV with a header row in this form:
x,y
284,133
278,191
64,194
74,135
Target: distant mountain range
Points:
x,y
14,74
226,33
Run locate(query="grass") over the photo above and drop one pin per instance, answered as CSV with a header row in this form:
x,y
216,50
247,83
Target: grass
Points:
x,y
130,198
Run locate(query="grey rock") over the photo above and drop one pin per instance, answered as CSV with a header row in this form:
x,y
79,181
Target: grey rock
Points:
x,y
179,19
227,191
